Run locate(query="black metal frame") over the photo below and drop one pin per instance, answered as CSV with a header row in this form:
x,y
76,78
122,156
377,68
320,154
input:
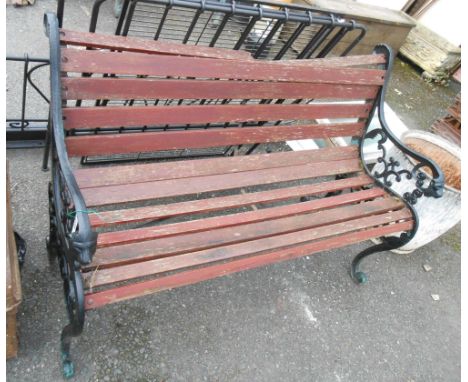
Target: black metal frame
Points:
x,y
71,238
245,14
23,132
429,186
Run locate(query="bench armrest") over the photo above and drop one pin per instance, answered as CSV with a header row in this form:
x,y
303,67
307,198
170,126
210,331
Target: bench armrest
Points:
x,y
431,185
72,225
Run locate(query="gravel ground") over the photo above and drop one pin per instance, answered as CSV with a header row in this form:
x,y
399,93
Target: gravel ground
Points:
x,y
303,320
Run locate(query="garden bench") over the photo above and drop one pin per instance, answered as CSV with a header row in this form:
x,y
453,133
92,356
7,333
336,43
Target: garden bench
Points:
x,y
172,223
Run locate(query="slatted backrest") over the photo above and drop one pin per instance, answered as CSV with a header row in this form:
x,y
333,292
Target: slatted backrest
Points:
x,y
124,95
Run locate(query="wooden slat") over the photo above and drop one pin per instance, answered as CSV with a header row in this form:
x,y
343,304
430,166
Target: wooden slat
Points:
x,y
135,116
214,137
138,173
132,44
151,88
347,61
99,299
151,233
287,231
89,61
109,218
176,187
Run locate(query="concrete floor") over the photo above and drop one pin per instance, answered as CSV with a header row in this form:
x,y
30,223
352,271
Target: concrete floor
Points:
x,y
303,320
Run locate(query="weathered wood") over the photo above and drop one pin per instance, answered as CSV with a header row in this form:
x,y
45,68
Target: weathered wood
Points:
x,y
13,279
135,116
138,173
110,218
150,233
151,88
132,44
191,139
99,299
226,243
233,251
89,61
431,52
346,61
176,187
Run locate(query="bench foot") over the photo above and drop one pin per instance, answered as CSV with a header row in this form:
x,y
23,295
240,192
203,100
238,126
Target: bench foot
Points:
x,y
74,298
389,243
68,369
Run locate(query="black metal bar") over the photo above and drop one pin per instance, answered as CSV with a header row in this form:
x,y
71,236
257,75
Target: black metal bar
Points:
x,y
362,33
314,42
332,43
249,10
94,15
122,16
196,16
247,30
60,7
297,32
128,20
268,38
25,86
161,23
45,156
220,28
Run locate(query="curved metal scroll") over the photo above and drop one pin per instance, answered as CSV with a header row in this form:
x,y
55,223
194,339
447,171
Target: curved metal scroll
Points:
x,y
424,185
73,227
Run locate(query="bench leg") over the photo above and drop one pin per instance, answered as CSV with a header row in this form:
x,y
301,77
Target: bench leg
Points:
x,y
52,243
74,299
388,244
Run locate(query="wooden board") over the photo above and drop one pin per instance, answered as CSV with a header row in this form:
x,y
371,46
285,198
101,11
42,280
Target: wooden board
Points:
x,y
162,211
132,44
136,116
177,187
191,249
151,233
111,88
139,173
89,61
13,279
99,299
213,137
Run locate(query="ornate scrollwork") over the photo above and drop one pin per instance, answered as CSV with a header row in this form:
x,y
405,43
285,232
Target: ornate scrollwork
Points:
x,y
391,170
428,177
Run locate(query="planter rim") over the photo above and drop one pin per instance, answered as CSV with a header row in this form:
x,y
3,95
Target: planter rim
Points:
x,y
438,141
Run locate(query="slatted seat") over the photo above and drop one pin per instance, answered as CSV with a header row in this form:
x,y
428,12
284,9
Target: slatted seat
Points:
x,y
274,226
130,229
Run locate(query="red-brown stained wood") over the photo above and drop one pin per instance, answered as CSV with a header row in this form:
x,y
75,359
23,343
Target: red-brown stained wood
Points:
x,y
109,218
347,61
151,88
98,299
223,243
215,137
132,44
150,233
138,173
89,61
176,187
135,116
166,248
